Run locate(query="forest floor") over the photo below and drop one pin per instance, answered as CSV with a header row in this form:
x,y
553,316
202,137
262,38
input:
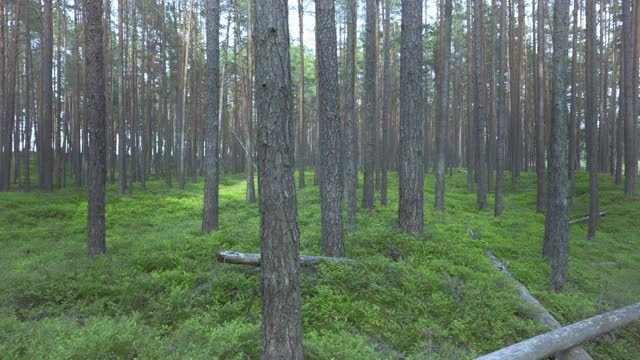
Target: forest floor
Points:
x,y
160,294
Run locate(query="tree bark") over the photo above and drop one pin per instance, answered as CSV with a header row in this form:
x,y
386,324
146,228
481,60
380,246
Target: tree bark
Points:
x,y
540,109
279,232
122,136
3,123
369,142
302,135
94,58
442,109
28,101
386,105
503,74
556,229
350,144
329,132
480,116
47,120
212,122
573,115
591,116
630,121
411,203
470,114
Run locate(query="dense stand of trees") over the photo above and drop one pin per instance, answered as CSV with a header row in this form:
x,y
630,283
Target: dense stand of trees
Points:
x,y
133,90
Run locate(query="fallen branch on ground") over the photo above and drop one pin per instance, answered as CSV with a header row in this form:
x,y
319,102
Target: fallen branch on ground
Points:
x,y
232,257
540,314
606,263
542,346
586,218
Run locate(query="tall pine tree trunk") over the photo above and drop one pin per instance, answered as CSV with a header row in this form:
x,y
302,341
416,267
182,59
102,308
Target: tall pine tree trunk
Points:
x,y
212,122
370,106
94,58
502,109
302,135
350,144
630,121
411,203
47,105
122,136
386,105
279,232
540,109
442,107
329,132
556,229
480,117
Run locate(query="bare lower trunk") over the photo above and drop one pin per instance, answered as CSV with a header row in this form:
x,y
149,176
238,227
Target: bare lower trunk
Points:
x,y
210,211
94,58
556,229
279,232
411,203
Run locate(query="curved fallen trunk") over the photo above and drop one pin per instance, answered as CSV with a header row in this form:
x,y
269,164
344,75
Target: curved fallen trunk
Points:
x,y
542,346
232,257
602,213
539,314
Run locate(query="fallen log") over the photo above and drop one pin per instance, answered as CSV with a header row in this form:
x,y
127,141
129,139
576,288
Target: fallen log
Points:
x,y
539,314
232,257
586,218
606,263
542,346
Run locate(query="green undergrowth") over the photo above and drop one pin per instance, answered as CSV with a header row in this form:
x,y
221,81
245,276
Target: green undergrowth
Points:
x,y
160,294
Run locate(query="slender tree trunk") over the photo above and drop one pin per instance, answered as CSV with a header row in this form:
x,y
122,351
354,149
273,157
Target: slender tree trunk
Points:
x,y
329,122
480,119
540,108
122,146
110,142
556,229
411,173
28,101
573,115
592,115
168,134
502,109
350,144
470,114
631,48
183,58
386,105
133,98
3,123
251,191
210,212
47,120
10,118
58,128
370,106
302,135
279,232
145,78
94,58
442,109
621,117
